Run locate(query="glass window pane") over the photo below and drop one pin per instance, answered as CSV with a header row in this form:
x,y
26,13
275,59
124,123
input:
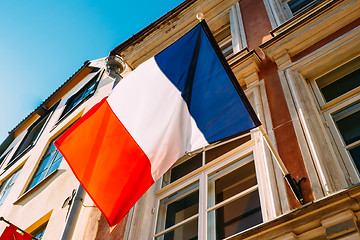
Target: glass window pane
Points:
x,y
182,209
74,100
178,207
355,154
58,157
188,231
30,137
237,216
341,86
52,148
348,123
214,153
296,5
14,176
53,167
340,81
3,158
37,179
7,185
235,182
3,196
89,90
186,167
45,163
50,162
39,233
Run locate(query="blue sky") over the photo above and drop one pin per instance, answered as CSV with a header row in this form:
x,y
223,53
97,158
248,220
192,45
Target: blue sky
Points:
x,y
42,43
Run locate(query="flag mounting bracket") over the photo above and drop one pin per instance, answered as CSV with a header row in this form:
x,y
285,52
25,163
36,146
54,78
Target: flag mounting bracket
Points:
x,y
294,185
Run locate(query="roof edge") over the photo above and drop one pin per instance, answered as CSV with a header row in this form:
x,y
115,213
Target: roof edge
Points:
x,y
142,33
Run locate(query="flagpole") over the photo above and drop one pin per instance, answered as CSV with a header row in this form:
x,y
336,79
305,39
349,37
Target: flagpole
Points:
x,y
73,214
294,186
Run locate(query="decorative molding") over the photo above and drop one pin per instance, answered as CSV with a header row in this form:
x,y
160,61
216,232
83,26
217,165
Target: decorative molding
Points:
x,y
304,31
245,65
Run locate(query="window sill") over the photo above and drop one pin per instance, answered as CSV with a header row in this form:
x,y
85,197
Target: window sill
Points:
x,y
37,186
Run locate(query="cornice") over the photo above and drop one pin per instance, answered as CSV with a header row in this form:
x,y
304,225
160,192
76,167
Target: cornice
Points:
x,y
303,31
169,28
245,65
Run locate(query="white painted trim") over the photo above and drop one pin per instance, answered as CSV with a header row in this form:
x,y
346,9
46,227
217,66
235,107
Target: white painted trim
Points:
x,y
346,158
302,117
277,12
237,28
272,188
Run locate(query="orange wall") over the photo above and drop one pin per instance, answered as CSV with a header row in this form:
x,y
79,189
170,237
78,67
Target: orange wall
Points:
x,y
257,29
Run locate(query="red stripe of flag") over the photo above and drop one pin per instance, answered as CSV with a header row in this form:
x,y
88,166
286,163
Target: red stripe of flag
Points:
x,y
100,141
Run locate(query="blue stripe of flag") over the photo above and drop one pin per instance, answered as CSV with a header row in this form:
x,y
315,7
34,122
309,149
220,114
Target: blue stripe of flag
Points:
x,y
192,65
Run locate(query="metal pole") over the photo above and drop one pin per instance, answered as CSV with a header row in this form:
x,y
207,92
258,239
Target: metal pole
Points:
x,y
74,214
273,151
294,186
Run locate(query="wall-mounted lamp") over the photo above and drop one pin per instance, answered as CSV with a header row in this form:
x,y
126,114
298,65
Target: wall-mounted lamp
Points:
x,y
115,66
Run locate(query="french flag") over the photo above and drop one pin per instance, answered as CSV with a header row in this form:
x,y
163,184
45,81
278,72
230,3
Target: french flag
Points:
x,y
176,102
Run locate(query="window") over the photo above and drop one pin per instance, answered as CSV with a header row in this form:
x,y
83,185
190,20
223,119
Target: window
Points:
x,y
228,31
297,6
281,11
3,158
347,122
30,138
338,94
210,195
235,203
4,146
7,185
39,232
339,82
180,213
48,164
83,94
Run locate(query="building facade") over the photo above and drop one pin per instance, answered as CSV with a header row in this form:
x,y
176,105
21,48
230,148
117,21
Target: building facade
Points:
x,y
298,63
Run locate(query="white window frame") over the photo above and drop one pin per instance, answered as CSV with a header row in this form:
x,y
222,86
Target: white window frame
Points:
x,y
330,108
237,28
233,160
95,77
279,11
11,178
212,175
347,159
29,186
